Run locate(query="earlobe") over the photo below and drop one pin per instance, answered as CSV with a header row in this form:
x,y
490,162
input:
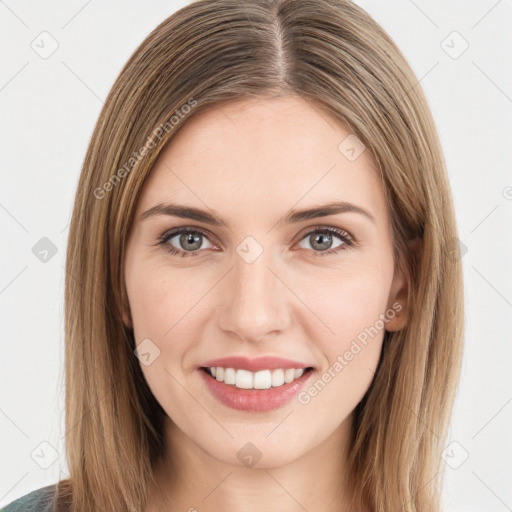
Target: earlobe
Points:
x,y
127,321
397,312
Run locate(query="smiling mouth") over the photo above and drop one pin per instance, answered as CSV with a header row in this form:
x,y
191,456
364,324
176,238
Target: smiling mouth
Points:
x,y
260,380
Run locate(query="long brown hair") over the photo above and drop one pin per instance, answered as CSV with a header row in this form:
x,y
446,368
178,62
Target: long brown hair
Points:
x,y
334,55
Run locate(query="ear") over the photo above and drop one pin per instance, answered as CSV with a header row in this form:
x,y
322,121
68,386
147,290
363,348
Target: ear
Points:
x,y
399,291
127,319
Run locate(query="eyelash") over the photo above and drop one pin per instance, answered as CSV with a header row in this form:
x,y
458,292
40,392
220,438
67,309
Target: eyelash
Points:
x,y
348,240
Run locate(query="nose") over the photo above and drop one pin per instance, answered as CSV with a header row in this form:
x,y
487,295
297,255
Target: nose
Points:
x,y
255,301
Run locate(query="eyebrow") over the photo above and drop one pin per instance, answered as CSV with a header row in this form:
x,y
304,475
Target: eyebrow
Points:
x,y
292,217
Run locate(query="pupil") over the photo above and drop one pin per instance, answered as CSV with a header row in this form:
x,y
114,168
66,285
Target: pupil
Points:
x,y
189,238
321,238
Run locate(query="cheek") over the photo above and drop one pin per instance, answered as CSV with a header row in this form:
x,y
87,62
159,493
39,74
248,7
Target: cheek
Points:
x,y
347,302
340,302
350,341
163,304
159,298
169,307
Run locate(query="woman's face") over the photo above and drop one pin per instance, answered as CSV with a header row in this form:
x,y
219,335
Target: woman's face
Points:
x,y
260,282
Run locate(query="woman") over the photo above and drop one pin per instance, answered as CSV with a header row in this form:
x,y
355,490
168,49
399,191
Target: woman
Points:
x,y
263,305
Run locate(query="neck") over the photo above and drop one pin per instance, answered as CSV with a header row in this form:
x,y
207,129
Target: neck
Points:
x,y
188,478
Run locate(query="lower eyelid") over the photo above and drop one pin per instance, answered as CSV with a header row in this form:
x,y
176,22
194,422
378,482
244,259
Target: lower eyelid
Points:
x,y
165,238
343,236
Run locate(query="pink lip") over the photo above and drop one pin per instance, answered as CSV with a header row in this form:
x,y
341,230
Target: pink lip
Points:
x,y
253,400
254,365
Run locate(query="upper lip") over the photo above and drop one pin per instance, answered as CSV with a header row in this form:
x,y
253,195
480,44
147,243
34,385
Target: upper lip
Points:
x,y
254,365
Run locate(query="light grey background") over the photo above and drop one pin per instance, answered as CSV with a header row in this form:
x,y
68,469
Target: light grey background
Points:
x,y
48,109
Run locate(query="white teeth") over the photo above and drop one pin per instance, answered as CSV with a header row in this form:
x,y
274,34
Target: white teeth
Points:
x,y
277,378
244,379
263,379
289,375
229,376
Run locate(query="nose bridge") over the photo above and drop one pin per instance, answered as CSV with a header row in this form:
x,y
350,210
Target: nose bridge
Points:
x,y
254,303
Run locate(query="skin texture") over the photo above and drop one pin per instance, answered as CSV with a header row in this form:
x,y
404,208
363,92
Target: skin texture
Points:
x,y
251,162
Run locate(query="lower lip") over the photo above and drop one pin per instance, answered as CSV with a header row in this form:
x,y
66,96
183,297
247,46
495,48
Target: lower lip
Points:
x,y
254,400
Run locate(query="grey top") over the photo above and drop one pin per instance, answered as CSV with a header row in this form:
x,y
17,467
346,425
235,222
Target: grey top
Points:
x,y
35,501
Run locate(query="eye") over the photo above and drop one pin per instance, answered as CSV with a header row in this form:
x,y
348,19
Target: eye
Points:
x,y
321,240
188,241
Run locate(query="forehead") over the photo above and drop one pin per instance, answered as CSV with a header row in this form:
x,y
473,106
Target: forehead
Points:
x,y
263,154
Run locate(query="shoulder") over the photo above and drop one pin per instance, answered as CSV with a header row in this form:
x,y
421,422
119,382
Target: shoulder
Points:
x,y
36,501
